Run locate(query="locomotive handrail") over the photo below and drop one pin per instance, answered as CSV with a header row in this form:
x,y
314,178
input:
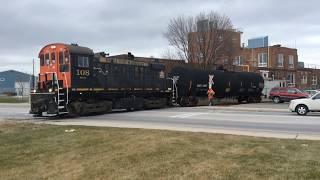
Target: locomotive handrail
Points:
x,y
55,74
67,87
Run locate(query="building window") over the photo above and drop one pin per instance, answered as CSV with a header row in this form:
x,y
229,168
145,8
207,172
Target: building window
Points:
x,y
238,60
304,80
291,79
200,57
83,61
314,80
291,61
262,60
225,61
280,60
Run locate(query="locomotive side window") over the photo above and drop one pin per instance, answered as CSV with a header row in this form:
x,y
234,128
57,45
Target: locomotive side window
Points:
x,y
83,61
60,57
53,57
47,59
41,60
66,57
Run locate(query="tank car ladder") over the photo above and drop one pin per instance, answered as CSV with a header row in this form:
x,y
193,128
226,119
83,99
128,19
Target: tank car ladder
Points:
x,y
174,89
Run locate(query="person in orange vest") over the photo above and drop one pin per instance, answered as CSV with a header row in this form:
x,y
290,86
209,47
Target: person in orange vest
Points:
x,y
210,93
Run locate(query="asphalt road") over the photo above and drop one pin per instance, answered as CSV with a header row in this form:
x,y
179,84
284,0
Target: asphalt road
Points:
x,y
265,119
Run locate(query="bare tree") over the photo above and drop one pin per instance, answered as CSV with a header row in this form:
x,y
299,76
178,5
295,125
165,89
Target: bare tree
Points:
x,y
20,87
170,53
201,39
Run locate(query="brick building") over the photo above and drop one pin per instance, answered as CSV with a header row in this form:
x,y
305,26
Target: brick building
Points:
x,y
272,62
278,63
209,45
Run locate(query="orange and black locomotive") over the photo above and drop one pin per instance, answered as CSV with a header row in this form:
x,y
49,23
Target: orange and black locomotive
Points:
x,y
73,80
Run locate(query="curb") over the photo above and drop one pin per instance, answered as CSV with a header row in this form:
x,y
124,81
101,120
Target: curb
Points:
x,y
246,109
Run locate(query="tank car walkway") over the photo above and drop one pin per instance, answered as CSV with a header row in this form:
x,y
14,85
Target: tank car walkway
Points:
x,y
264,119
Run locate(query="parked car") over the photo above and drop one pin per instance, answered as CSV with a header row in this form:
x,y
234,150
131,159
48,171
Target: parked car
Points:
x,y
311,92
286,94
303,106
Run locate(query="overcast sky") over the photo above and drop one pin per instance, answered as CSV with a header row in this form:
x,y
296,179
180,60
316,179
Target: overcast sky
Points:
x,y
137,26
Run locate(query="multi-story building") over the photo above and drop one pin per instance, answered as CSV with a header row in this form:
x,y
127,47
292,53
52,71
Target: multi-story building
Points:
x,y
210,45
308,77
279,63
272,62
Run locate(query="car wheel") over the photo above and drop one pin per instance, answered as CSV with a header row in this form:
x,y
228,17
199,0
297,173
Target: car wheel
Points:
x,y
302,110
276,99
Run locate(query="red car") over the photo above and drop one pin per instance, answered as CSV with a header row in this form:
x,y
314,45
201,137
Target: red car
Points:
x,y
286,94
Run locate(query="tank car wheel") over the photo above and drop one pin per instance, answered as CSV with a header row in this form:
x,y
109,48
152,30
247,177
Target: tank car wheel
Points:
x,y
258,99
130,109
193,101
240,100
250,99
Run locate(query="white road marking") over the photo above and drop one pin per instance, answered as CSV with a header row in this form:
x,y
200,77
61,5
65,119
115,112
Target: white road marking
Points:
x,y
187,115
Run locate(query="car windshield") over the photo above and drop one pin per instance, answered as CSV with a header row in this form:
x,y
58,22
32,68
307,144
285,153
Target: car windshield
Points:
x,y
314,95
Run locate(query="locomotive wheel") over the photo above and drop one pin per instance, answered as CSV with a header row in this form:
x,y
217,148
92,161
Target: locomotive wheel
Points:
x,y
155,103
108,106
71,111
184,101
75,109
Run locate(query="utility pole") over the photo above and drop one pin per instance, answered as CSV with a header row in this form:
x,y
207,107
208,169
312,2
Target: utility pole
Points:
x,y
33,78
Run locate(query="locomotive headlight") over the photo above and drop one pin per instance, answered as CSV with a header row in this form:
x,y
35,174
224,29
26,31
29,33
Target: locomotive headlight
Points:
x,y
50,90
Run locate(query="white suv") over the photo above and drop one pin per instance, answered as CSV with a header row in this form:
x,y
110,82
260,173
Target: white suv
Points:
x,y
305,105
